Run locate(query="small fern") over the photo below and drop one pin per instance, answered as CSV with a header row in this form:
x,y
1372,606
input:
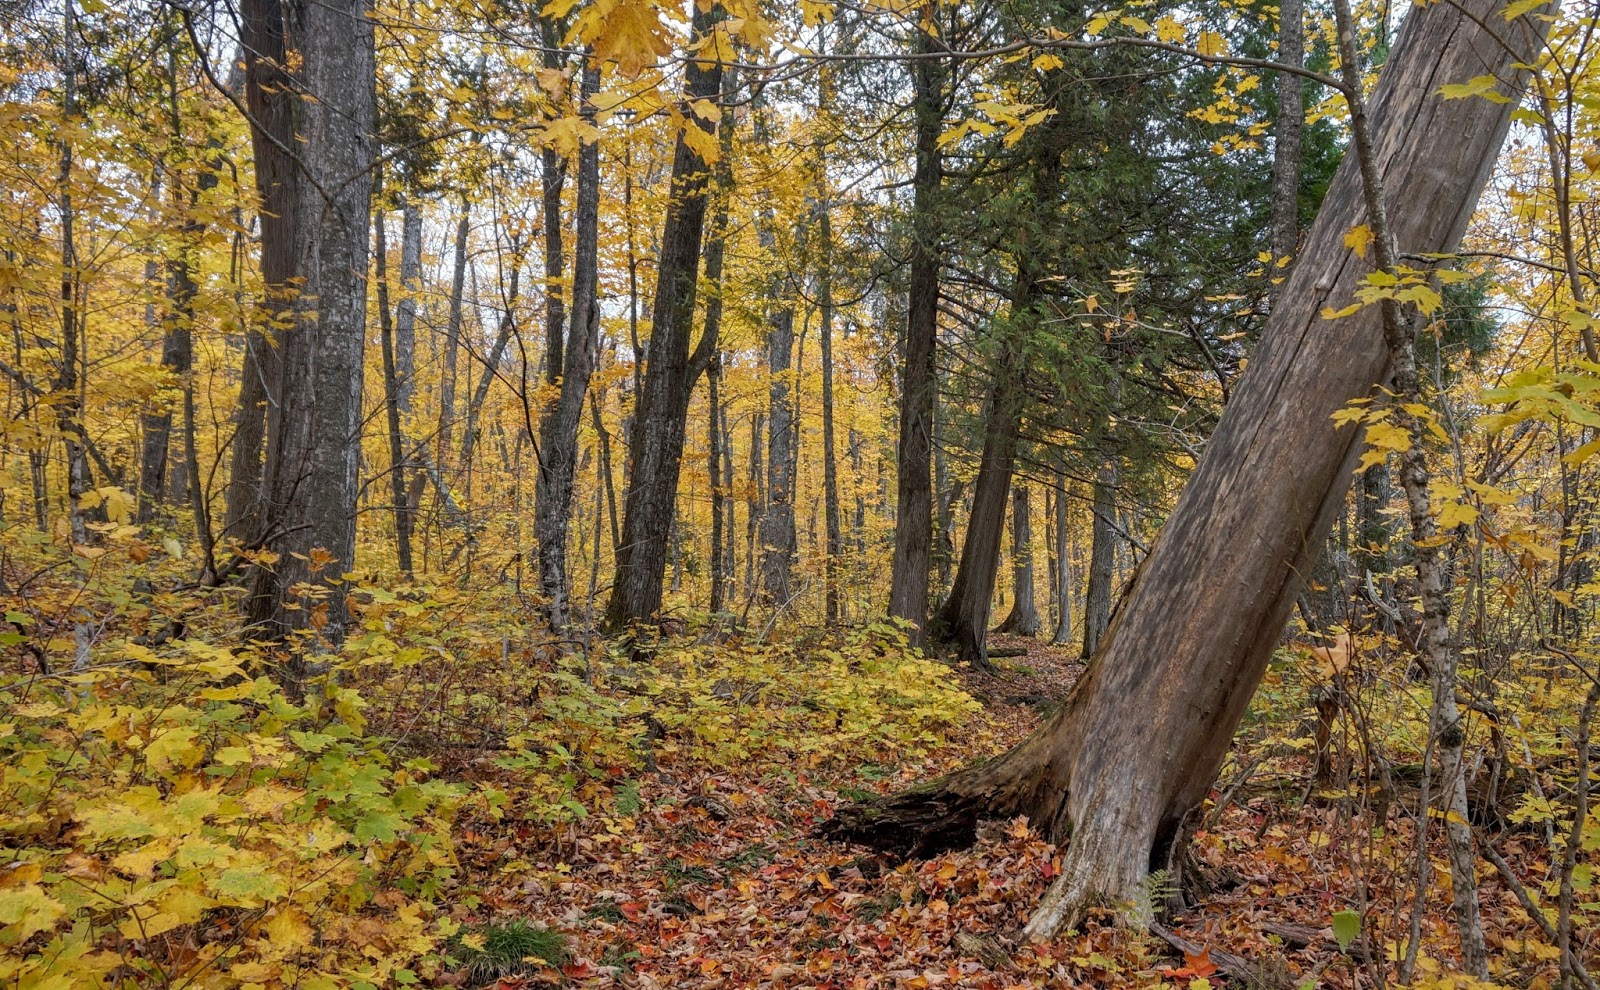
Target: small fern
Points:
x,y
1157,890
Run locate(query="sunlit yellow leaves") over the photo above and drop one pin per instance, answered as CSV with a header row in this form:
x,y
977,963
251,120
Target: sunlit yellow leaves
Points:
x,y
628,33
25,909
566,134
1359,239
1211,44
815,12
1484,86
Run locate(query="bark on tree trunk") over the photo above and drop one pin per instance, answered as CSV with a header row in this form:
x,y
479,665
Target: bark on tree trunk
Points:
x,y
559,431
391,392
719,492
1024,617
1137,744
270,98
913,527
777,522
656,450
963,620
1063,576
1286,133
314,432
452,342
1102,563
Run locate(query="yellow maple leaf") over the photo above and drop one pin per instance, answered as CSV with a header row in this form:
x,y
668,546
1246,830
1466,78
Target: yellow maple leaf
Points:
x,y
1359,239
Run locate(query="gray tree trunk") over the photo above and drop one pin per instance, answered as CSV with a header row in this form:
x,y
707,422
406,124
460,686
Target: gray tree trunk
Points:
x,y
913,527
1063,572
391,392
558,449
656,450
1135,748
314,432
1287,131
1102,562
270,98
777,521
1024,617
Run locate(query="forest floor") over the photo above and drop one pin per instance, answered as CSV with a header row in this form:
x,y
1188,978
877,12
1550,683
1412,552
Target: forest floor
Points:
x,y
715,880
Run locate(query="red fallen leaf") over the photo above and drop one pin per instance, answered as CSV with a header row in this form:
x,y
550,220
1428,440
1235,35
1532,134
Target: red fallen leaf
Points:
x,y
583,969
631,910
1200,962
1195,965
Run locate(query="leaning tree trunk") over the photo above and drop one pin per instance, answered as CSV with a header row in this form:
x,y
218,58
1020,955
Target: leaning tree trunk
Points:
x,y
1024,617
1135,748
913,525
656,451
962,621
314,432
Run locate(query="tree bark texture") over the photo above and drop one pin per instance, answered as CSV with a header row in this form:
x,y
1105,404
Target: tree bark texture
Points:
x,y
558,447
1024,617
913,525
777,522
314,431
1063,574
1102,562
962,622
270,97
1137,744
1287,131
656,450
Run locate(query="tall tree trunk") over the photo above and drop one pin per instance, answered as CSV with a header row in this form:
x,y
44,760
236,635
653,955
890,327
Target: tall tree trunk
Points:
x,y
491,364
452,344
777,522
1024,617
391,392
1102,562
405,311
1063,574
314,432
1136,746
913,529
558,449
719,492
830,461
67,392
755,502
553,176
270,98
1286,133
963,620
656,451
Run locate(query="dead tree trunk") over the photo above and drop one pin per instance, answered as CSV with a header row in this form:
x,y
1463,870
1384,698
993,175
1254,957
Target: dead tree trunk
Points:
x,y
1024,617
1137,744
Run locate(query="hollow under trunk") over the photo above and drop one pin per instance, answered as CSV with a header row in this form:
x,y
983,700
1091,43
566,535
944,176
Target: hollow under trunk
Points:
x,y
1136,746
